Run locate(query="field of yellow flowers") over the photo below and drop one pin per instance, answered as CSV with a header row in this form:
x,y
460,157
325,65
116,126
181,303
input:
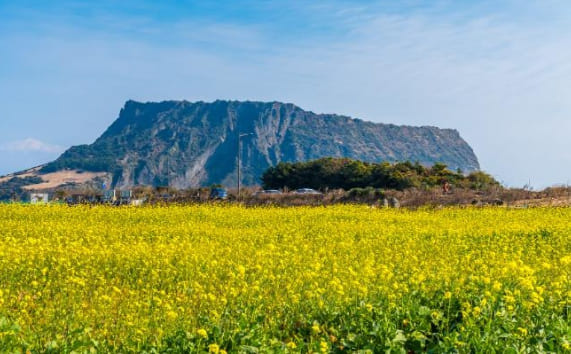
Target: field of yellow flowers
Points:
x,y
320,279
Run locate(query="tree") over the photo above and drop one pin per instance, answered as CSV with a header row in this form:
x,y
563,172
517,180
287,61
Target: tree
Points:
x,y
333,173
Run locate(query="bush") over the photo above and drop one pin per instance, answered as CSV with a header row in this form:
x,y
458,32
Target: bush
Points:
x,y
347,174
366,193
13,188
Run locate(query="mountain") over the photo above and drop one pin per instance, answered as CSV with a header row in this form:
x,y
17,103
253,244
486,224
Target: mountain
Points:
x,y
184,144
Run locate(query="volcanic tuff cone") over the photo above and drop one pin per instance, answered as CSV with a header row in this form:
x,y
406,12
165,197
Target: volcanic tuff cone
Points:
x,y
183,144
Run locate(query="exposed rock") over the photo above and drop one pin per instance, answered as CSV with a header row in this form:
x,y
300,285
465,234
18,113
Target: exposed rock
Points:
x,y
385,203
394,202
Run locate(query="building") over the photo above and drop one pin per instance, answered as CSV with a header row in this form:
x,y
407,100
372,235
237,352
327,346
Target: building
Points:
x,y
39,198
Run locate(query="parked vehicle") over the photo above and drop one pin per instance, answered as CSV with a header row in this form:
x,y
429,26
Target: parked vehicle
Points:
x,y
267,192
306,191
218,193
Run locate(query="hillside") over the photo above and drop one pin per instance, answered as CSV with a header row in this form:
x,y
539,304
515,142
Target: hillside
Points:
x,y
183,144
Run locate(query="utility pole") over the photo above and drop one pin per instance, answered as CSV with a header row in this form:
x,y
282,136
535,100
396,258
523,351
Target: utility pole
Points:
x,y
239,164
168,174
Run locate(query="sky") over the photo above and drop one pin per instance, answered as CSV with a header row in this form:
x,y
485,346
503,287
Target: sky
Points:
x,y
497,71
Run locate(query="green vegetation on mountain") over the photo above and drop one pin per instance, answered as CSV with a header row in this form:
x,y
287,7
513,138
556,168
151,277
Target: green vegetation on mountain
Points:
x,y
13,188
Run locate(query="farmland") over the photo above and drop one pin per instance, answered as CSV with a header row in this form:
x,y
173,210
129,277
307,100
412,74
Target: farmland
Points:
x,y
322,279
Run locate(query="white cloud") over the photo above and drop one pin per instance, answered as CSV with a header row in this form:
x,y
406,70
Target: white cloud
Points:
x,y
30,145
500,77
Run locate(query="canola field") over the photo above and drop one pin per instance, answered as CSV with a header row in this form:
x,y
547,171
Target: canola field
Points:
x,y
323,279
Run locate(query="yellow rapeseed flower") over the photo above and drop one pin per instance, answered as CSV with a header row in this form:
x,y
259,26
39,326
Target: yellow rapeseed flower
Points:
x,y
291,345
152,276
202,333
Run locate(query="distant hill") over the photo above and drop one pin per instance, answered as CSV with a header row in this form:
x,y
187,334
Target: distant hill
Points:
x,y
183,144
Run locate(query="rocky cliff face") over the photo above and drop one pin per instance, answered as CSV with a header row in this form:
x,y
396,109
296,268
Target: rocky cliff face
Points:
x,y
183,144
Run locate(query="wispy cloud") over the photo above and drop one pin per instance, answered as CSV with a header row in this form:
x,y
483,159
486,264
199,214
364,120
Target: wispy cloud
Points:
x,y
30,145
500,74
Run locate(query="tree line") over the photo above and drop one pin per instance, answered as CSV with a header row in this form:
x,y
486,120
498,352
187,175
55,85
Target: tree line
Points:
x,y
345,173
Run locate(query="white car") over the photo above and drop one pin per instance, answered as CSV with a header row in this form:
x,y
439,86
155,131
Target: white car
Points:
x,y
267,192
306,191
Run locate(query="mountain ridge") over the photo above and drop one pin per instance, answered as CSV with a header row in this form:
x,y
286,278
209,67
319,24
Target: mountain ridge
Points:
x,y
187,144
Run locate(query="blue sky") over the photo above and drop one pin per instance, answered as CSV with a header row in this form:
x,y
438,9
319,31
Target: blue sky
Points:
x,y
498,71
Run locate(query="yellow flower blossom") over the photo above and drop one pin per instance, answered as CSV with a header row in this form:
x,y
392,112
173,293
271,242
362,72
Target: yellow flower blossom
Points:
x,y
191,275
201,332
291,345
